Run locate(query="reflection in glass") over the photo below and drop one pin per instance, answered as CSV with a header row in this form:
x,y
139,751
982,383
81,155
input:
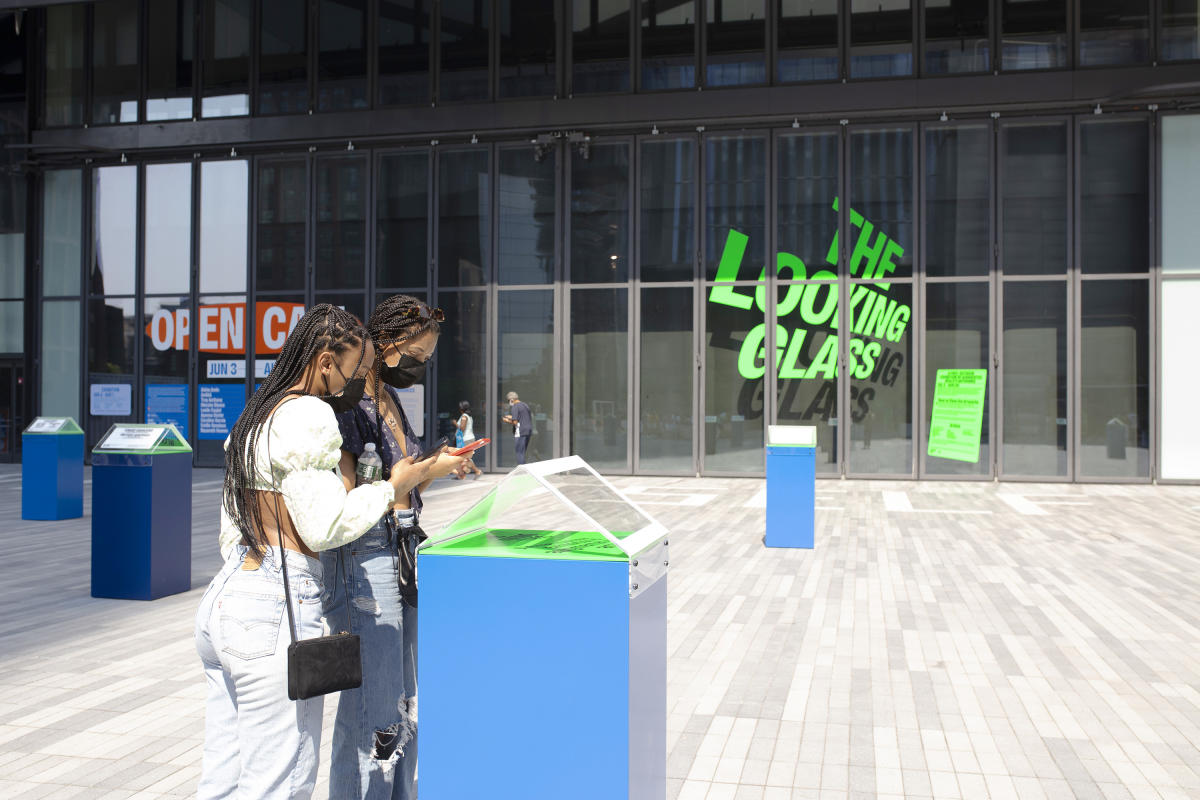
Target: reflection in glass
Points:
x,y
525,365
1114,32
957,322
282,212
64,64
402,213
341,236
956,37
667,381
221,393
736,34
1033,199
735,190
168,229
668,44
12,326
1114,390
465,37
1180,433
806,358
224,225
600,376
1033,368
60,358
226,73
283,57
881,38
881,398
807,223
600,46
527,57
169,59
957,201
1180,30
808,40
600,214
462,365
881,192
353,302
274,318
527,199
115,204
1115,196
733,389
62,245
115,62
111,326
668,212
1180,193
1034,34
404,34
464,217
165,352
341,55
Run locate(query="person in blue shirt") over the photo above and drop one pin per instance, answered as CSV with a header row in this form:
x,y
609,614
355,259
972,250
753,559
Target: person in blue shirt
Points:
x,y
522,421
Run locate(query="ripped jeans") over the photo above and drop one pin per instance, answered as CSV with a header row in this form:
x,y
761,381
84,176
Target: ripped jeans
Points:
x,y
374,737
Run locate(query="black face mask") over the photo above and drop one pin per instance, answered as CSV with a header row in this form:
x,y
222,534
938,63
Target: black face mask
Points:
x,y
407,372
348,397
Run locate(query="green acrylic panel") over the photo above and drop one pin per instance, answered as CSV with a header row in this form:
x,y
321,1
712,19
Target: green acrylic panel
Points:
x,y
550,545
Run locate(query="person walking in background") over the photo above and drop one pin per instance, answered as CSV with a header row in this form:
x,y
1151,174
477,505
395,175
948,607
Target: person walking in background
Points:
x,y
522,421
464,434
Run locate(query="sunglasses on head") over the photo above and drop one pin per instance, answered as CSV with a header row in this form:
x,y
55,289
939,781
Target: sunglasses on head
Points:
x,y
425,312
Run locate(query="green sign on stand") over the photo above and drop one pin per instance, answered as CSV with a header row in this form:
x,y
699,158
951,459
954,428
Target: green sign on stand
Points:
x,y
957,421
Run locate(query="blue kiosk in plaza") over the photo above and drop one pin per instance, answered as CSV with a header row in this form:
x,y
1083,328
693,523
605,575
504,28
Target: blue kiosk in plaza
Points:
x,y
543,643
141,512
52,469
791,486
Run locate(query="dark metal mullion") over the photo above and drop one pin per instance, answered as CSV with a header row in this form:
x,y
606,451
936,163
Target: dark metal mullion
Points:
x,y
143,39
842,435
1155,289
635,304
564,174
921,311
314,49
435,51
193,377
494,45
1073,40
255,57
844,43
632,310
139,289
995,33
87,251
89,54
771,286
918,38
700,435
635,44
371,43
700,37
561,62
198,18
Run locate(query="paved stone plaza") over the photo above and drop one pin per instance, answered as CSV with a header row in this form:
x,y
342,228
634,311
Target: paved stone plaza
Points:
x,y
944,640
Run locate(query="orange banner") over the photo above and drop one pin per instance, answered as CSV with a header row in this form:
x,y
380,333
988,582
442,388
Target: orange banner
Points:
x,y
222,327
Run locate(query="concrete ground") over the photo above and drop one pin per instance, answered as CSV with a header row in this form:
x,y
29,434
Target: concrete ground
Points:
x,y
944,640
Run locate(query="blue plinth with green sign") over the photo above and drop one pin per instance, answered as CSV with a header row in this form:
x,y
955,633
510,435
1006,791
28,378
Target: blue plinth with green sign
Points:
x,y
141,513
791,486
542,644
52,469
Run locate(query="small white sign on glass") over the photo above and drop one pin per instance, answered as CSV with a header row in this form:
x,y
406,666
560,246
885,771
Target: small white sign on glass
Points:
x,y
130,438
46,425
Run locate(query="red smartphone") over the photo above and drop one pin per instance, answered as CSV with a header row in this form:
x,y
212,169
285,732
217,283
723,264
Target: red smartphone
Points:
x,y
471,448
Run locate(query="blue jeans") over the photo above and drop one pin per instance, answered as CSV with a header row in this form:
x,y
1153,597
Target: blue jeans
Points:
x,y
375,734
520,443
257,742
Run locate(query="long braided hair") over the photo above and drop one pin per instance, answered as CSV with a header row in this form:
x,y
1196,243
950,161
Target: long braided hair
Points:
x,y
323,327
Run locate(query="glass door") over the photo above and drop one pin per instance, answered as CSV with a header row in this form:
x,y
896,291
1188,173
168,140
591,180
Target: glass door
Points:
x,y
12,409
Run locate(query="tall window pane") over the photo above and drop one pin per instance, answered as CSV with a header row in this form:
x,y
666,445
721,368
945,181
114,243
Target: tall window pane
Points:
x,y
667,381
881,204
806,358
1114,32
600,214
112,323
881,399
1115,196
115,204
342,55
64,64
1033,371
957,201
525,365
465,38
404,42
527,49
115,62
957,325
1180,30
733,389
735,193
168,228
808,40
806,218
341,237
600,376
600,46
224,225
226,90
12,326
402,214
462,365
170,58
283,57
1033,34
1114,390
62,245
668,44
668,210
464,218
881,38
282,211
957,37
1033,199
1180,193
60,358
1180,456
737,41
165,396
527,200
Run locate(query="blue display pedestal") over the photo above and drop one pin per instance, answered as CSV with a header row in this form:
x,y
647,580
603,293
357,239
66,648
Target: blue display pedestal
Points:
x,y
791,486
52,469
141,521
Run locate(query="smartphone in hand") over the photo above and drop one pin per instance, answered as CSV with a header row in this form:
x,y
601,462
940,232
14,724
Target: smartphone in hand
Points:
x,y
471,448
432,451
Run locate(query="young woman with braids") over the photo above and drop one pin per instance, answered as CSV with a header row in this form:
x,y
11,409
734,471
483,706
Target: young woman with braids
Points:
x,y
374,739
282,499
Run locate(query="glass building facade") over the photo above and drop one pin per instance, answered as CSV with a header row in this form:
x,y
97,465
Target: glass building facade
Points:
x,y
666,224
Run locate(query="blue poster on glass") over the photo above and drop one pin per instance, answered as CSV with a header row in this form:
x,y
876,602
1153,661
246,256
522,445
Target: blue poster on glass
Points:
x,y
168,402
220,406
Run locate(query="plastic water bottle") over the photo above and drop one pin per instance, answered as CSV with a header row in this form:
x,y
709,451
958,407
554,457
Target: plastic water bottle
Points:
x,y
370,466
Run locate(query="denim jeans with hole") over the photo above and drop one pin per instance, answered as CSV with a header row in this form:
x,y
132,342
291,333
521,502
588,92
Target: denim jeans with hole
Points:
x,y
375,735
257,743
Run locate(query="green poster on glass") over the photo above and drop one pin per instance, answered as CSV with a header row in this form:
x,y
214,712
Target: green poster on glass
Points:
x,y
957,419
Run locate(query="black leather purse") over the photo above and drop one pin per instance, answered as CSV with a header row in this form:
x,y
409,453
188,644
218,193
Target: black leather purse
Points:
x,y
408,539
